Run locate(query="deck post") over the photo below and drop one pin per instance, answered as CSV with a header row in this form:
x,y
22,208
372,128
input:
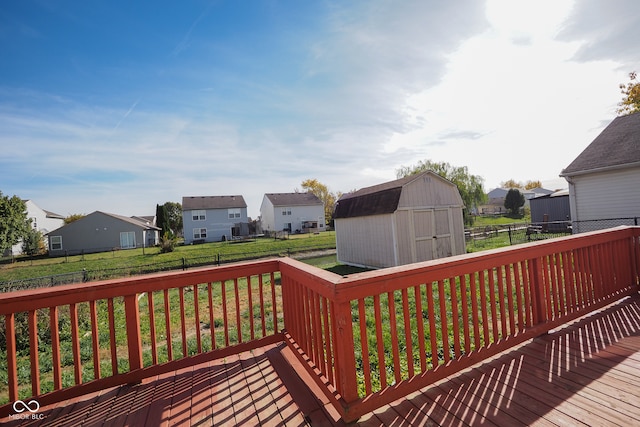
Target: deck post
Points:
x,y
537,291
134,342
345,353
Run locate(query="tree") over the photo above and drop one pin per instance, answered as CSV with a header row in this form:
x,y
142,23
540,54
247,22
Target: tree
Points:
x,y
162,219
174,217
322,192
530,185
631,100
513,201
469,186
33,244
511,184
73,217
14,224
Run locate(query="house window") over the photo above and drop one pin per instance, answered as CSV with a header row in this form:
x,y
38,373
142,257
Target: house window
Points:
x,y
199,233
55,243
127,239
198,215
234,213
286,211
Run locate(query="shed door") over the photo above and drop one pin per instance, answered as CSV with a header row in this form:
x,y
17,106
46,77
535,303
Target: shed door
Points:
x,y
432,230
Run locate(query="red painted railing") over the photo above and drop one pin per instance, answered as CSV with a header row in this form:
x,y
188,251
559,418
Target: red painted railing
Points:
x,y
97,335
373,337
368,338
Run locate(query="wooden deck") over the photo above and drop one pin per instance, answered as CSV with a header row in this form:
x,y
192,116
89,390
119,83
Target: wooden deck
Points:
x,y
586,373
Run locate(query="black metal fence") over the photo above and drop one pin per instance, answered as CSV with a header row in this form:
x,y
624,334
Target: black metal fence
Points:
x,y
516,233
178,264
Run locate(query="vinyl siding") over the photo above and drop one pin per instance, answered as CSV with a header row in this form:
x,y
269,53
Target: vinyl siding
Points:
x,y
366,241
614,194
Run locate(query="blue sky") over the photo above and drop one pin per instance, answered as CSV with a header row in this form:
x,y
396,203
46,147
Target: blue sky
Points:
x,y
118,106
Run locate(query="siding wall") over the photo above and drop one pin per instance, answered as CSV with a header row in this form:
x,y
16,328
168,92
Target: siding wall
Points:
x,y
605,195
96,232
217,223
366,241
273,220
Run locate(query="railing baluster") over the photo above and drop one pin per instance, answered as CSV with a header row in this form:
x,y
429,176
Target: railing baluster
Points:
x,y
444,322
483,301
262,317
183,321
225,317
274,302
394,335
134,341
167,324
212,322
250,304
75,343
152,328
517,272
503,313
12,366
236,293
465,313
474,310
55,348
433,335
492,300
95,338
407,332
364,345
196,315
420,322
511,308
328,339
33,352
455,329
382,367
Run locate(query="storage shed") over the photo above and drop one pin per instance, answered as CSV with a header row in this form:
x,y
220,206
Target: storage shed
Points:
x,y
412,219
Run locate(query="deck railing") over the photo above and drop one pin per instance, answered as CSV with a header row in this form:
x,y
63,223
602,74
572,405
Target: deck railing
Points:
x,y
367,339
74,339
373,337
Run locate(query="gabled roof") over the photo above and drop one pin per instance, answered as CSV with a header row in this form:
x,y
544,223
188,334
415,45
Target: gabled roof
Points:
x,y
212,202
130,220
377,199
293,199
618,145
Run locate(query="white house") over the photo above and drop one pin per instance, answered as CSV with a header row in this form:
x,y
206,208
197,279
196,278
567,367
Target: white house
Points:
x,y
413,219
41,220
292,212
214,218
604,180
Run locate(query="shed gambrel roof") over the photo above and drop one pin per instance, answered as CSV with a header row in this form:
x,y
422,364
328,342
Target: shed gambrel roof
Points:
x,y
377,199
212,202
618,145
293,199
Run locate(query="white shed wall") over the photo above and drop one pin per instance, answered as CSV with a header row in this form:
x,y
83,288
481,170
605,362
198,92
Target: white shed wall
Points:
x,y
367,241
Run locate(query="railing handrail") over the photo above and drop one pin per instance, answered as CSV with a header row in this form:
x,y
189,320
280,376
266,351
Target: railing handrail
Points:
x,y
356,285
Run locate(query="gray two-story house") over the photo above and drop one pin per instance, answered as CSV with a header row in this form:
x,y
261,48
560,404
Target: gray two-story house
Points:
x,y
214,218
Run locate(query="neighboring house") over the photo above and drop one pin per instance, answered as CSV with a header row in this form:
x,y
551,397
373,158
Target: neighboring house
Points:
x,y
214,218
100,232
604,180
292,212
552,211
495,199
152,236
41,220
413,219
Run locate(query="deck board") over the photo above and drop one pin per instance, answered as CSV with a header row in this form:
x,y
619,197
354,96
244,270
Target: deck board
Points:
x,y
585,373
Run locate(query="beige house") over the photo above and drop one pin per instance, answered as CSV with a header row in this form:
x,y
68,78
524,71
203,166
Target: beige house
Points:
x,y
413,219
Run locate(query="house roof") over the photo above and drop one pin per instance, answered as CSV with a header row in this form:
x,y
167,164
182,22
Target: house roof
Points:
x,y
131,220
377,199
618,145
213,202
293,199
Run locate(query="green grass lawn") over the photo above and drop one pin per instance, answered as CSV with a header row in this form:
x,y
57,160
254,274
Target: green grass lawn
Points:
x,y
136,259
